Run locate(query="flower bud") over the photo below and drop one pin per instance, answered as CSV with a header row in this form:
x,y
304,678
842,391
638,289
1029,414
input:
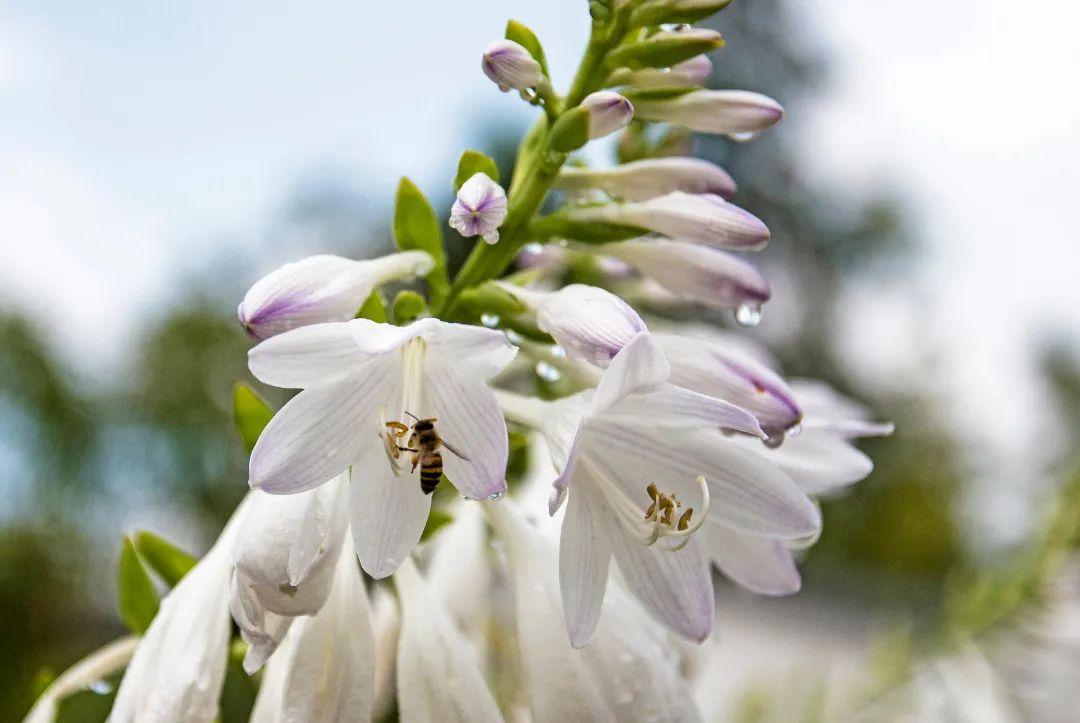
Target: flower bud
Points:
x,y
655,12
608,112
320,289
642,180
510,66
727,112
665,49
480,208
687,74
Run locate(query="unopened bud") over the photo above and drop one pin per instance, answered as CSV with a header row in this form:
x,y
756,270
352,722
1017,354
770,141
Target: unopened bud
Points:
x,y
479,209
510,66
687,74
608,112
727,112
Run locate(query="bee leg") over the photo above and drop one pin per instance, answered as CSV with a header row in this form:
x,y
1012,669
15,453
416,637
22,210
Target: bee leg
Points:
x,y
415,460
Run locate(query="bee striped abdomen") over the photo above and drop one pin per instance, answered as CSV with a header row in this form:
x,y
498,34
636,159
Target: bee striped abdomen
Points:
x,y
430,472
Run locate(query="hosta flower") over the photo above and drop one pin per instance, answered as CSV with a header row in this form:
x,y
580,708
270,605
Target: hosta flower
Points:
x,y
324,670
320,289
697,273
728,112
178,669
703,218
628,673
642,180
687,74
510,66
645,465
364,384
437,673
480,208
608,112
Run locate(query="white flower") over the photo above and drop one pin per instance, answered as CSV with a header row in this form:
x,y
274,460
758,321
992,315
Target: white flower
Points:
x,y
178,669
510,66
320,289
608,112
324,670
626,452
438,676
642,180
357,377
479,209
729,112
697,273
702,218
687,74
630,671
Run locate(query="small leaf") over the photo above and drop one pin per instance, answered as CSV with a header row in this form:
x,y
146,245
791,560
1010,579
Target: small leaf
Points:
x,y
417,227
373,308
164,558
471,163
136,597
251,413
407,306
526,38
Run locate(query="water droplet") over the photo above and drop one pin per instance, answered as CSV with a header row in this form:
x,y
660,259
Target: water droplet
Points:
x,y
495,495
743,137
547,372
774,440
532,248
101,687
466,498
489,320
530,95
794,430
558,352
748,315
514,337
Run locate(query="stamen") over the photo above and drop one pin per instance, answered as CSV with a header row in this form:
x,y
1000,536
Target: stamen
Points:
x,y
390,446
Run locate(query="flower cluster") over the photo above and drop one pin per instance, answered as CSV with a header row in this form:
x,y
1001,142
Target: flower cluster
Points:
x,y
669,452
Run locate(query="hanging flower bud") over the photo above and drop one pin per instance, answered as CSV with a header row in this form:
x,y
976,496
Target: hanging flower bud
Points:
x,y
510,66
321,288
642,180
480,208
727,112
608,112
687,74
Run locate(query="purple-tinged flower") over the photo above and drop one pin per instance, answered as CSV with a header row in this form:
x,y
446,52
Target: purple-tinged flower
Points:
x,y
687,74
642,180
728,112
479,209
697,273
510,66
702,218
608,112
358,376
321,288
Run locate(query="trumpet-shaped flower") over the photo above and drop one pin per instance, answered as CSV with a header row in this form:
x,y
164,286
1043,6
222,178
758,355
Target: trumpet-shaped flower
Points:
x,y
642,180
727,112
320,289
646,465
480,208
363,383
687,74
702,218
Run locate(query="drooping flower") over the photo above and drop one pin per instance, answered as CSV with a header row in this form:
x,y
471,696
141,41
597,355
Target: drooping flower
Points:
x,y
510,66
321,288
437,673
727,112
687,74
479,209
636,456
608,112
697,273
642,180
704,218
363,383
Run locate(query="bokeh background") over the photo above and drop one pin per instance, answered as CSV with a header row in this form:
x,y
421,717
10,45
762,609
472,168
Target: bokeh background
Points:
x,y
158,158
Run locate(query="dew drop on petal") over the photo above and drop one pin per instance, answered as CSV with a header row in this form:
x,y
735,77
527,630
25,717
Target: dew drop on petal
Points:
x,y
514,337
794,430
558,352
744,137
547,372
489,320
101,687
748,315
495,495
774,440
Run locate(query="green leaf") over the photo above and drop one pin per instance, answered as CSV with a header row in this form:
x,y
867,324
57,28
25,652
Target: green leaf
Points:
x,y
164,558
488,298
526,38
408,305
373,308
663,51
251,414
136,597
471,163
571,131
239,689
417,227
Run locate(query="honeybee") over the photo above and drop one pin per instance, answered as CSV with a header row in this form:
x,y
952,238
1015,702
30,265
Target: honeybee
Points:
x,y
424,443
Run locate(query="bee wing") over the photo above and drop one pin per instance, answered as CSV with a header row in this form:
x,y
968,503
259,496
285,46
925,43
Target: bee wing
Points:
x,y
456,453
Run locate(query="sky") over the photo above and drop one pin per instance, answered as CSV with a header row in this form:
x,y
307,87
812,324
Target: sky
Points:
x,y
142,140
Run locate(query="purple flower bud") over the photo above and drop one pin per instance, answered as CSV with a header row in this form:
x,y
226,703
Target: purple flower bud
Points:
x,y
687,74
510,66
642,180
480,208
608,112
727,112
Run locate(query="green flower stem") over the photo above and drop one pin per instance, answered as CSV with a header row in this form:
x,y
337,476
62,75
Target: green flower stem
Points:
x,y
537,176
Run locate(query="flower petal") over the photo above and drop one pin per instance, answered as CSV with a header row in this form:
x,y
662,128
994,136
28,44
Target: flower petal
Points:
x,y
821,462
676,408
306,356
478,352
584,555
324,429
759,564
640,366
388,514
642,180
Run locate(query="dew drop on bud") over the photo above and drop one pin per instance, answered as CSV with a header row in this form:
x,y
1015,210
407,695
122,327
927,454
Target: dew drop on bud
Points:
x,y
547,372
558,352
794,430
774,440
489,320
748,315
514,337
532,248
101,687
494,496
